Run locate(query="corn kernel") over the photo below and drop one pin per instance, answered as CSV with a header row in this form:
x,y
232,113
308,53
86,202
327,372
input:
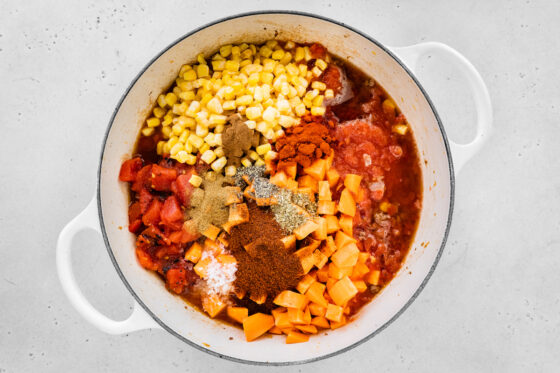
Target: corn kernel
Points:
x,y
216,119
262,127
289,45
244,100
320,64
182,156
200,59
246,162
214,105
152,122
195,180
201,130
176,148
271,155
166,131
229,105
177,129
401,129
190,75
316,71
195,140
269,134
209,139
219,128
272,44
317,110
219,164
329,93
270,114
300,109
161,101
231,171
300,54
184,136
232,66
318,85
253,113
265,51
286,59
194,107
307,53
278,133
252,155
159,147
263,149
148,131
165,148
318,101
208,156
188,146
218,65
278,54
190,159
251,124
158,112
187,95
219,152
225,50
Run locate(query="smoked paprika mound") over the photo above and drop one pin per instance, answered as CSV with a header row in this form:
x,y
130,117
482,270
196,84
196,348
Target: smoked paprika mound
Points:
x,y
303,144
264,266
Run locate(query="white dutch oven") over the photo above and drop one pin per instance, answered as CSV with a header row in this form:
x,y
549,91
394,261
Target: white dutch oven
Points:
x,y
157,308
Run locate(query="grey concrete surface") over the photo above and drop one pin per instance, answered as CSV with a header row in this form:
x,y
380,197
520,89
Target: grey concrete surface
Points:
x,y
491,306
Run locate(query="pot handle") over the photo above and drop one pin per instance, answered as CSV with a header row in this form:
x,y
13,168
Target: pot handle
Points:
x,y
461,152
88,218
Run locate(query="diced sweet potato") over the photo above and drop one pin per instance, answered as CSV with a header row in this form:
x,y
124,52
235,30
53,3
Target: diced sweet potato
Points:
x,y
256,325
360,270
352,182
320,322
317,169
320,259
233,195
346,256
287,330
363,257
227,226
332,224
332,177
211,232
213,305
278,310
289,241
326,208
305,229
258,299
323,274
306,316
222,238
268,201
279,179
288,298
309,329
307,181
324,191
336,325
237,313
330,283
315,294
201,267
249,192
333,313
304,283
330,160
345,223
342,239
193,253
292,185
275,330
282,320
239,293
347,204
290,170
226,259
320,232
373,277
360,285
296,337
238,214
329,247
343,291
316,309
305,251
296,316
307,263
337,272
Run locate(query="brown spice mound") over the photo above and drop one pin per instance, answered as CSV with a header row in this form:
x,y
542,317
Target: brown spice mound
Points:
x,y
237,139
268,268
303,144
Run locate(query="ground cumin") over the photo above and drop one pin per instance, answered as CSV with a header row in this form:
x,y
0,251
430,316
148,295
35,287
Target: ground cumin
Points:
x,y
303,144
268,268
237,139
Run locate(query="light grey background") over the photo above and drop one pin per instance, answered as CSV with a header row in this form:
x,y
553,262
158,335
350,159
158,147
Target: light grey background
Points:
x,y
492,304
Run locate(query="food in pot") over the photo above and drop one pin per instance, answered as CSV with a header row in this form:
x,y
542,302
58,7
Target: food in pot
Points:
x,y
276,187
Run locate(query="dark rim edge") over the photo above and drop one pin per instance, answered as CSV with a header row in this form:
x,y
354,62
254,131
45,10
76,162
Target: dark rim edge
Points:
x,y
408,303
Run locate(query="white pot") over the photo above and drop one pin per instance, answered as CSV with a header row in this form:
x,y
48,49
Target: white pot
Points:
x,y
155,307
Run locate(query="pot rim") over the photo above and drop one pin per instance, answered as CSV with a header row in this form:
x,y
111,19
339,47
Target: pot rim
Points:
x,y
355,344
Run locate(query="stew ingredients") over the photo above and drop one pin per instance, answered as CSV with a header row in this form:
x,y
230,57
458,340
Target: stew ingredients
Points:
x,y
275,187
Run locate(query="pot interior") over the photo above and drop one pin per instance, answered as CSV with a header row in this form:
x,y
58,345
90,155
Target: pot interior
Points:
x,y
198,329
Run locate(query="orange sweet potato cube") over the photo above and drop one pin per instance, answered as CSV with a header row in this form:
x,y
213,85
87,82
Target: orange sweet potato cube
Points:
x,y
326,208
323,274
347,204
307,181
360,285
211,232
201,267
352,182
320,322
317,310
289,241
256,325
213,305
238,214
282,320
226,259
304,283
338,324
373,277
258,299
292,185
275,330
360,270
329,247
346,256
237,313
320,259
305,229
343,291
290,170
324,191
309,329
330,159
342,239
317,169
315,294
321,232
296,316
334,312
332,224
234,195
193,253
290,299
296,337
279,179
345,223
332,177
307,263
363,257
337,272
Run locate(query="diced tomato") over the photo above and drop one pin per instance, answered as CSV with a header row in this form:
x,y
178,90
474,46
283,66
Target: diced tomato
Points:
x,y
171,211
183,189
145,260
144,199
176,236
162,178
135,225
134,212
143,179
129,169
152,215
332,78
318,51
153,233
176,279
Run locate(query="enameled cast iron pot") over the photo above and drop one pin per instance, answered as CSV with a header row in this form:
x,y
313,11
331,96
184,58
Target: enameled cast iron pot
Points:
x,y
155,307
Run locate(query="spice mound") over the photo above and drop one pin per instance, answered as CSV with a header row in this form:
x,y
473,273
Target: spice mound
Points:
x,y
208,202
265,266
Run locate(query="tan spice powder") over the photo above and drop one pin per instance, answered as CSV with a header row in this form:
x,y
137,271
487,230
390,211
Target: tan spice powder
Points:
x,y
208,202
